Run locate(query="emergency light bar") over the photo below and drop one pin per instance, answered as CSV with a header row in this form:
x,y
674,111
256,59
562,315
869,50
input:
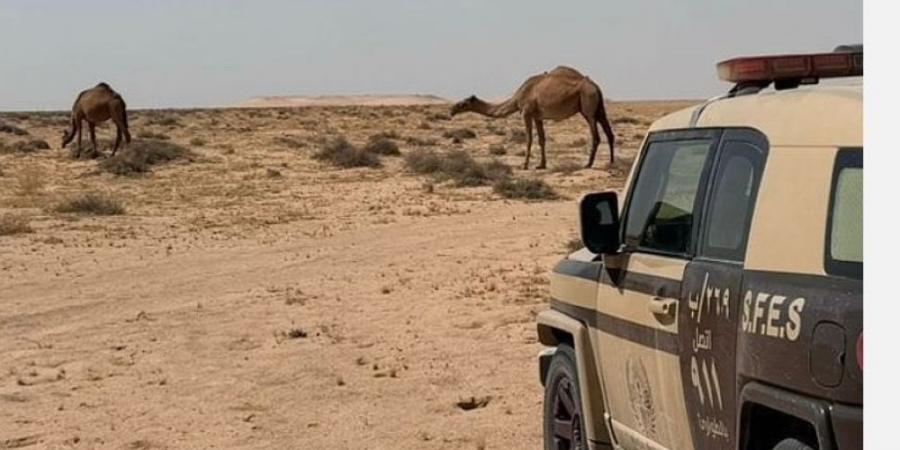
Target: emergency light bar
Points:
x,y
793,69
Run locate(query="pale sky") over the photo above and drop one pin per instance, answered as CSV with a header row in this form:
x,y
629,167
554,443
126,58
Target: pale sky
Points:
x,y
182,53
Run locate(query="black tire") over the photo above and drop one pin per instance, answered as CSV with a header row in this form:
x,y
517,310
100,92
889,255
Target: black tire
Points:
x,y
791,444
563,413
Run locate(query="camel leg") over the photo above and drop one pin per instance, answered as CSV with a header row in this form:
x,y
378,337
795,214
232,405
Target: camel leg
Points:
x,y
607,130
528,132
91,129
118,140
78,153
542,141
595,140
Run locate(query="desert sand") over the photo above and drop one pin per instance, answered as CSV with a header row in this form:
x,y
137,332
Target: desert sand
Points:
x,y
254,297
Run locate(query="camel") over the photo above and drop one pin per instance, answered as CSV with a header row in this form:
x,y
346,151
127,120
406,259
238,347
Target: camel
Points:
x,y
555,95
97,105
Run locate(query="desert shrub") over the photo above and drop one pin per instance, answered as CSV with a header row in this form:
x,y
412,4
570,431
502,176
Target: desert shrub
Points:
x,y
457,165
390,134
423,161
342,153
412,140
29,146
153,135
380,145
141,154
518,137
198,142
497,149
626,120
92,203
528,189
437,116
13,224
290,141
12,129
459,134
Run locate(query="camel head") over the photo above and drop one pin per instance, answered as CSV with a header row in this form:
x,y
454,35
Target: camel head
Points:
x,y
465,105
67,135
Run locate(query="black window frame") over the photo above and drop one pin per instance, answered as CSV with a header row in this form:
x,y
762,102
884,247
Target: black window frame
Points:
x,y
686,134
846,157
756,139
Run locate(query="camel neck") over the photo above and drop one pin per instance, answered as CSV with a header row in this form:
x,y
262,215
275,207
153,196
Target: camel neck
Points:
x,y
497,109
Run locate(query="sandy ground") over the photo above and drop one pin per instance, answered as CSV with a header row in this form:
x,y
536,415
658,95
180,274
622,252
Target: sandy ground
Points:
x,y
253,297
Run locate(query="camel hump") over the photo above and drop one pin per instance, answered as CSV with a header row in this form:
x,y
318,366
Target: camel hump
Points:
x,y
566,70
103,85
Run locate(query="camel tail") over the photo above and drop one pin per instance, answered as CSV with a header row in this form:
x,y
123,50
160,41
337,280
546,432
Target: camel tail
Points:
x,y
607,129
125,120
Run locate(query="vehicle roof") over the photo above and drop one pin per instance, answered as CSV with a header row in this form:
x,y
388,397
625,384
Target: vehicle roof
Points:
x,y
828,114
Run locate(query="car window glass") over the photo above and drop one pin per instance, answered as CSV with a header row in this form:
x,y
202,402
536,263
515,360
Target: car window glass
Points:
x,y
847,216
661,210
732,200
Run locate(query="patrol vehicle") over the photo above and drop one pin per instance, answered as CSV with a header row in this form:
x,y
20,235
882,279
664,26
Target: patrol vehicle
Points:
x,y
720,307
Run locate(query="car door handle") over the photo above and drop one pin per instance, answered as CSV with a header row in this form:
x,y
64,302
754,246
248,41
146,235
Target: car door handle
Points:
x,y
662,306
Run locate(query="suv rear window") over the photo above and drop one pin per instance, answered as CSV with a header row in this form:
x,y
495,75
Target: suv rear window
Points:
x,y
844,246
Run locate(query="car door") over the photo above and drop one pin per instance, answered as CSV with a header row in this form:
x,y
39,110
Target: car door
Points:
x,y
711,291
640,292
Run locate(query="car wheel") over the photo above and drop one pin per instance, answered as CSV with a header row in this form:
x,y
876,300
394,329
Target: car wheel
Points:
x,y
791,444
563,416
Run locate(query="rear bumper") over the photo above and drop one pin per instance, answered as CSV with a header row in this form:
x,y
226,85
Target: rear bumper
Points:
x,y
847,425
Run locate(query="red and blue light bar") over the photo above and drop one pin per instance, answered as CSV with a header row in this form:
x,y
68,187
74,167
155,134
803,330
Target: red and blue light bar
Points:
x,y
813,66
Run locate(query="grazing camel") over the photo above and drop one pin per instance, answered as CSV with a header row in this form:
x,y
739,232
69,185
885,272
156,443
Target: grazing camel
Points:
x,y
96,105
555,95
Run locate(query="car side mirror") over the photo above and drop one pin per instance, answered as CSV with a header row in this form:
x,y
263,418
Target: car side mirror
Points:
x,y
599,213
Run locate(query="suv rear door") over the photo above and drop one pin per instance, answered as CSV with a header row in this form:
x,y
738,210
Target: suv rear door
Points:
x,y
711,290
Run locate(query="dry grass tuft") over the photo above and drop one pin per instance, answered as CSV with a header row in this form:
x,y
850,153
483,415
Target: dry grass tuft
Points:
x,y
382,145
290,141
497,149
457,165
198,142
526,189
153,135
342,153
140,155
92,203
626,120
12,129
14,224
459,134
29,146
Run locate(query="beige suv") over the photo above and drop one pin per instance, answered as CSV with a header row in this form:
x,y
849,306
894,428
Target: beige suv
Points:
x,y
721,306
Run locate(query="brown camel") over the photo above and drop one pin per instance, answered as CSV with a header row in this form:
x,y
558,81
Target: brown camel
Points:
x,y
555,95
97,105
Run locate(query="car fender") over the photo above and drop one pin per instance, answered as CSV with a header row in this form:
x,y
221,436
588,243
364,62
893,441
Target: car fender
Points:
x,y
552,327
